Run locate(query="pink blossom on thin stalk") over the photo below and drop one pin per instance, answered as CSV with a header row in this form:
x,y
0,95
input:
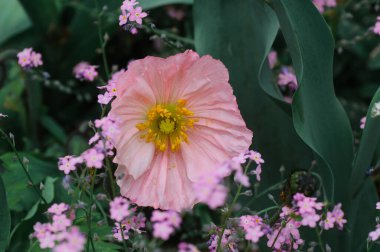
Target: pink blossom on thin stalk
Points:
x,y
93,158
119,209
137,15
376,29
187,247
84,71
165,223
28,58
131,16
252,226
68,163
272,59
378,205
362,122
58,209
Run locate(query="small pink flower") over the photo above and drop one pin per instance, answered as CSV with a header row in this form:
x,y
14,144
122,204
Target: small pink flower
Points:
x,y
310,219
254,234
378,205
128,5
60,222
338,214
123,19
117,232
84,71
362,122
40,230
75,240
256,157
376,29
257,172
272,59
162,230
328,222
137,15
119,209
287,78
187,247
93,158
27,58
68,163
47,241
58,209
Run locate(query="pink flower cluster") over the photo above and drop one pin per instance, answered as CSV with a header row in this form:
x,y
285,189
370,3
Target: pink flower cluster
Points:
x,y
228,241
272,59
375,235
165,223
131,14
362,122
376,29
84,71
285,234
187,247
209,188
253,227
323,4
126,220
102,147
287,78
111,89
59,235
28,58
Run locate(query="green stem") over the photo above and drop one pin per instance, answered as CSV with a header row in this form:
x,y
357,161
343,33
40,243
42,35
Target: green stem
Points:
x,y
89,216
319,239
102,42
110,175
11,143
267,209
230,208
272,188
165,34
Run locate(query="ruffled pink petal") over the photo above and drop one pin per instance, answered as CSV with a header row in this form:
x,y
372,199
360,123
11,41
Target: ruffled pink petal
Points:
x,y
164,186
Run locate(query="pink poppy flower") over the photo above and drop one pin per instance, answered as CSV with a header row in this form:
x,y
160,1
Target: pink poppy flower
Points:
x,y
178,120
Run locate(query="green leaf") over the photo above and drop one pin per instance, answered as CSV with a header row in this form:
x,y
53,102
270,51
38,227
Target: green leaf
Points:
x,y
149,4
13,19
54,128
32,211
318,117
242,42
21,195
5,218
42,13
368,143
48,191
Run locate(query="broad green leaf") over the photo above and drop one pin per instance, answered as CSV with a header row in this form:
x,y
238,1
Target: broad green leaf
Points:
x,y
13,19
5,218
318,117
149,4
368,143
32,211
54,128
21,195
42,13
242,42
48,191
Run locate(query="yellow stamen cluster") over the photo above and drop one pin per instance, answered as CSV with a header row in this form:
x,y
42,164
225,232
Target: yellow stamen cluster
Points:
x,y
166,125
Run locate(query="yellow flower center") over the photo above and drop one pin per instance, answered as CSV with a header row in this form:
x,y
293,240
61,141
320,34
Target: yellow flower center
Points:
x,y
166,125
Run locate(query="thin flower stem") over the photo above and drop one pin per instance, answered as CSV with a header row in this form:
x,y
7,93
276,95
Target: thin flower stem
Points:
x,y
110,175
230,208
272,188
164,34
319,239
89,219
122,236
11,143
267,209
101,41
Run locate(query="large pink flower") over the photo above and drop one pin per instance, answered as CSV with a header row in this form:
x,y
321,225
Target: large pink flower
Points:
x,y
178,120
